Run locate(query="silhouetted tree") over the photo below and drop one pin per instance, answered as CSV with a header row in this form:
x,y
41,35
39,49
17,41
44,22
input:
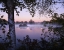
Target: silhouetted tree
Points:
x,y
58,18
21,21
10,6
31,22
26,22
3,21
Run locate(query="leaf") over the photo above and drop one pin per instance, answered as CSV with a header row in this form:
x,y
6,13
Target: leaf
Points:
x,y
17,14
4,26
29,1
21,9
2,16
8,33
9,37
3,31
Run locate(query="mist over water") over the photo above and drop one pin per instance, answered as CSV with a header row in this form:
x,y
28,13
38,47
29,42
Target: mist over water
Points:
x,y
34,31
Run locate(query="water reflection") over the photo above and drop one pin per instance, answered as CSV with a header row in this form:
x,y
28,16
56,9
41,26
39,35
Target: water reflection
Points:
x,y
34,31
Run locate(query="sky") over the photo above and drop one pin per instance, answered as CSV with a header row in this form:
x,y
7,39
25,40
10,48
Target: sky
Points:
x,y
24,15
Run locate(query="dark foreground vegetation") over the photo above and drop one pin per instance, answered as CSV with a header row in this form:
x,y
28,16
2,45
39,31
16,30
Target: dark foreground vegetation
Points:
x,y
3,21
27,44
34,44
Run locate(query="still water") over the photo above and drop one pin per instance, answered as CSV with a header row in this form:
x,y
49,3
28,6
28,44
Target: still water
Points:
x,y
34,31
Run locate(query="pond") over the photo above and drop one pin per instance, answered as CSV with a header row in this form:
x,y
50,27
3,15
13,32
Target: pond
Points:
x,y
34,31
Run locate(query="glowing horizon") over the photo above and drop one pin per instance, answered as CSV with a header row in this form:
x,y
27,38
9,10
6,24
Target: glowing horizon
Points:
x,y
36,19
25,16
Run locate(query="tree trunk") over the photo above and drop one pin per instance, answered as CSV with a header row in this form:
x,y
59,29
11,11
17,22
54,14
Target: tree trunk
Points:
x,y
11,24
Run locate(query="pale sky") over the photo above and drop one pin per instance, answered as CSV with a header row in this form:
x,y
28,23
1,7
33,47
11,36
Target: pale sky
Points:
x,y
25,15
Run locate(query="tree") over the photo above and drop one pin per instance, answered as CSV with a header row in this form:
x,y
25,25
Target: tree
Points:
x,y
21,21
31,22
10,6
3,21
58,18
25,22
